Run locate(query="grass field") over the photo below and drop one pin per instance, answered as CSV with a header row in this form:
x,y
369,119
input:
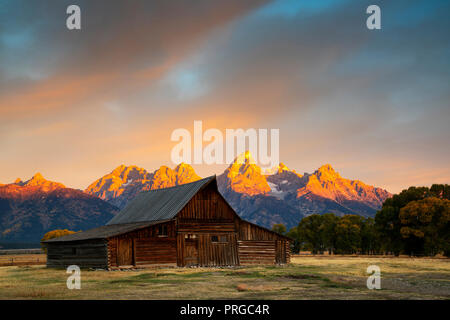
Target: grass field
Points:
x,y
313,277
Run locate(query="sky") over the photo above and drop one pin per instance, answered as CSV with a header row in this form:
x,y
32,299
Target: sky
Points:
x,y
375,104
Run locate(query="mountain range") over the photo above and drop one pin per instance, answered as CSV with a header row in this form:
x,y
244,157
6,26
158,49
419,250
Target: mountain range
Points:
x,y
279,195
124,183
30,209
285,196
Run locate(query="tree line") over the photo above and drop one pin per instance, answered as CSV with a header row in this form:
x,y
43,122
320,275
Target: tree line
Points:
x,y
415,222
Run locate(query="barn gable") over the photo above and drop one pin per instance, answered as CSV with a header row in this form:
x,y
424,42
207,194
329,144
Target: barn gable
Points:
x,y
160,204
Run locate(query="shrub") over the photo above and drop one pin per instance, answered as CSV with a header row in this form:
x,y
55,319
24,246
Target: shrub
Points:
x,y
55,234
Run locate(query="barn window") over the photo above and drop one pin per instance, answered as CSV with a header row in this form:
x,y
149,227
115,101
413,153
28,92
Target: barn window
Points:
x,y
221,239
162,230
190,236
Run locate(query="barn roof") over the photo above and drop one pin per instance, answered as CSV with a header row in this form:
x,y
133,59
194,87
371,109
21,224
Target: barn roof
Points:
x,y
159,204
103,232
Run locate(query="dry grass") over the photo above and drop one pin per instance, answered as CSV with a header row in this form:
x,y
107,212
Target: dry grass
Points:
x,y
22,259
311,277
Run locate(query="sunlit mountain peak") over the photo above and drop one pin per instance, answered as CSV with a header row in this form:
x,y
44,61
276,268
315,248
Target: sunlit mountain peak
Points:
x,y
125,182
37,177
185,174
39,181
245,157
281,167
326,172
245,177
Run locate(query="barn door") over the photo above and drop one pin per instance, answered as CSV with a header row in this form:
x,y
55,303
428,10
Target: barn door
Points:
x,y
125,252
191,252
280,252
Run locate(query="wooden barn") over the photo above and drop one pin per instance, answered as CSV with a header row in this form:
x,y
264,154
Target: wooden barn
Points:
x,y
186,225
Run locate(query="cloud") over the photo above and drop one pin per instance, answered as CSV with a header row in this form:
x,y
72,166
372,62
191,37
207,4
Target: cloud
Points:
x,y
365,101
121,46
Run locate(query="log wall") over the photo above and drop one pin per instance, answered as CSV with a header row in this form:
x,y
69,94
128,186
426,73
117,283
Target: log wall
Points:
x,y
260,246
148,246
288,251
256,252
85,254
156,251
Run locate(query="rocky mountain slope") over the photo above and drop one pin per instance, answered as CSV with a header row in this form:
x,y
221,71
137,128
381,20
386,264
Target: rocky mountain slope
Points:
x,y
284,196
29,209
124,183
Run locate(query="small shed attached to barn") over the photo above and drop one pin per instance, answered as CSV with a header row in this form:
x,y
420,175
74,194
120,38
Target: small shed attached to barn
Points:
x,y
186,225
